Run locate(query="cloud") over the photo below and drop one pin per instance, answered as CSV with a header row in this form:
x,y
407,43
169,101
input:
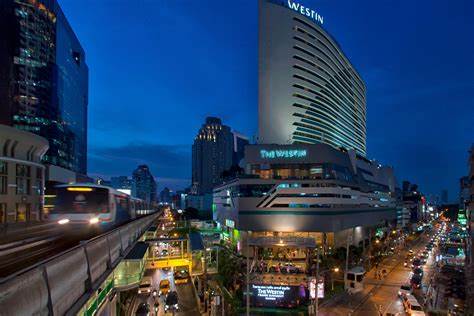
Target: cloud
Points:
x,y
170,164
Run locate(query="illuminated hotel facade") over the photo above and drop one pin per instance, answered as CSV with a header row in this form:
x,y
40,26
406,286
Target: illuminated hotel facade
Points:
x,y
308,90
308,175
307,190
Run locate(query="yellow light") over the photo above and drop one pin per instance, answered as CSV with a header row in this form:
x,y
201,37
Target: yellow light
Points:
x,y
336,269
79,189
377,241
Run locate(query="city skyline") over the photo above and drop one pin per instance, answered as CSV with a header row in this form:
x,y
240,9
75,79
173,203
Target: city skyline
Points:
x,y
393,59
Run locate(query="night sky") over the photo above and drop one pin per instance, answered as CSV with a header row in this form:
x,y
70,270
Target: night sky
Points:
x,y
158,68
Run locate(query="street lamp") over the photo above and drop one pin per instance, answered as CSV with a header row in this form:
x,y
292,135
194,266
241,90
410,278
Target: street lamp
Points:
x,y
336,270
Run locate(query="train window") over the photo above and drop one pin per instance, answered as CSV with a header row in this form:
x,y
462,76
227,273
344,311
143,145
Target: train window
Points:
x,y
122,203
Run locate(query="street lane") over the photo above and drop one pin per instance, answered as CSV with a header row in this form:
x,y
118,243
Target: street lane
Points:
x,y
384,297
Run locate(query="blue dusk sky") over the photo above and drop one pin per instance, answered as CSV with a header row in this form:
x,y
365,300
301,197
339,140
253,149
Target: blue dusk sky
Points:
x,y
159,67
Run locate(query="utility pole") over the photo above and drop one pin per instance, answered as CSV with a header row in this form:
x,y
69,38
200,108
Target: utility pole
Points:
x,y
248,277
316,309
347,261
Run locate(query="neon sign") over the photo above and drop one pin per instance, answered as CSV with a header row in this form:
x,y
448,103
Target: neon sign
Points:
x,y
283,153
305,11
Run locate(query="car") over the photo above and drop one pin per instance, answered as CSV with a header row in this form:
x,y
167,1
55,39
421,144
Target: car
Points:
x,y
143,310
416,281
404,290
171,301
416,262
145,286
418,271
412,307
181,277
164,287
289,268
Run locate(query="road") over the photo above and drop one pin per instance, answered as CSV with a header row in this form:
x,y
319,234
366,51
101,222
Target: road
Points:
x,y
188,306
381,296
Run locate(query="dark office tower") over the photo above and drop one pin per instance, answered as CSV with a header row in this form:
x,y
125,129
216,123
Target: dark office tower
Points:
x,y
121,182
144,184
165,195
240,141
44,79
444,196
212,154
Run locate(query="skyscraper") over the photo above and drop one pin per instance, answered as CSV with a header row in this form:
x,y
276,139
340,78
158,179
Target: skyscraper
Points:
x,y
122,183
212,153
444,196
44,79
309,92
144,184
165,195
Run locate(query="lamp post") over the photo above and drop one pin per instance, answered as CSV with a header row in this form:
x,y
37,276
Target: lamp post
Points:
x,y
336,270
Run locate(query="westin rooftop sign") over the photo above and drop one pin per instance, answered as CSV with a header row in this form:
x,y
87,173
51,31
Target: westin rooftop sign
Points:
x,y
305,11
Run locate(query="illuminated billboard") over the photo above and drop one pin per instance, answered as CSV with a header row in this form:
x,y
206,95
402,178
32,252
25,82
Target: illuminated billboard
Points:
x,y
278,295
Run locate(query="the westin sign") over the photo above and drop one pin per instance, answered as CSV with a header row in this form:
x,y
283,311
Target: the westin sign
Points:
x,y
282,153
305,11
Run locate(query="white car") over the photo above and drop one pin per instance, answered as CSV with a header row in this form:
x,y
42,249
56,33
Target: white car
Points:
x,y
404,290
412,307
145,286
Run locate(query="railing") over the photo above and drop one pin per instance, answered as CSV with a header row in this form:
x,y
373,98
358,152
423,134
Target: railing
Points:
x,y
64,283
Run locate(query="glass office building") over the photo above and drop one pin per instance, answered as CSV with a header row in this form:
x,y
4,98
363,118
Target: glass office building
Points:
x,y
44,79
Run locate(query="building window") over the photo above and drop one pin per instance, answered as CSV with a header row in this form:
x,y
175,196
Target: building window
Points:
x,y
39,173
3,168
3,177
23,181
22,212
3,213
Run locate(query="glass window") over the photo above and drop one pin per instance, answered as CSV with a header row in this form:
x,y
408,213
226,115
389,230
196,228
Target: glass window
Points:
x,y
3,212
22,186
3,185
3,167
39,173
22,170
22,212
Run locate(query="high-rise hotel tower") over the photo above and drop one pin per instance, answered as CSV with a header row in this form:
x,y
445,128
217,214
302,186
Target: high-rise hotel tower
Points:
x,y
308,90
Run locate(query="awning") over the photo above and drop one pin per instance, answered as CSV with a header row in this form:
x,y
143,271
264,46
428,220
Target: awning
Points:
x,y
138,251
196,242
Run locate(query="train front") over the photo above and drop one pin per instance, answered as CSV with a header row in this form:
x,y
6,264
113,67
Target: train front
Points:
x,y
82,205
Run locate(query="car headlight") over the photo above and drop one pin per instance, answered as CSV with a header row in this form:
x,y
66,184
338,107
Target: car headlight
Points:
x,y
94,220
63,221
